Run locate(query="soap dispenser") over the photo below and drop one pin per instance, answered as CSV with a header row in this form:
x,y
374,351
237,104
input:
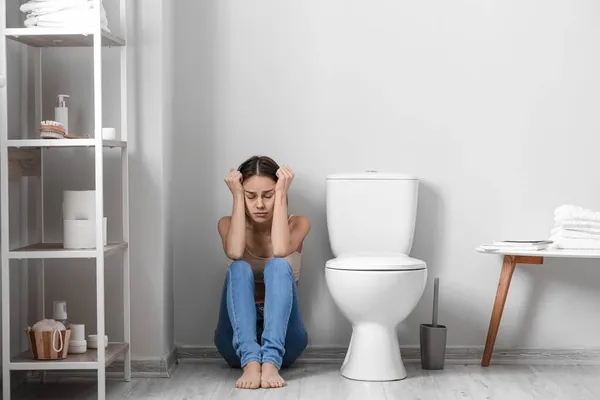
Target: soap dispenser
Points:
x,y
61,112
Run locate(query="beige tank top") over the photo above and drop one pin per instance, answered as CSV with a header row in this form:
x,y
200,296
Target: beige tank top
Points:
x,y
258,264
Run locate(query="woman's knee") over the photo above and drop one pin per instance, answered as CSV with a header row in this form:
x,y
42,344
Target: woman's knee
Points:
x,y
240,268
279,267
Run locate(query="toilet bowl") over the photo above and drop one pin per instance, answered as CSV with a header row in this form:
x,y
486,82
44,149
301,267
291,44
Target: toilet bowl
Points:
x,y
375,294
373,280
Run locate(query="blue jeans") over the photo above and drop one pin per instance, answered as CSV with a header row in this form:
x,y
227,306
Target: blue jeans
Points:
x,y
246,331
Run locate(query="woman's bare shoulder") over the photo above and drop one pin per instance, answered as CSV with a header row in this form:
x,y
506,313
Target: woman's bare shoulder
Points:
x,y
299,228
300,221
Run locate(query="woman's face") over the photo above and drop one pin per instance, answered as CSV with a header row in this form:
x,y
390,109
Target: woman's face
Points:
x,y
259,192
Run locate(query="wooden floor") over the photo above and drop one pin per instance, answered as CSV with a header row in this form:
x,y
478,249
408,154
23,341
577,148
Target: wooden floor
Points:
x,y
197,380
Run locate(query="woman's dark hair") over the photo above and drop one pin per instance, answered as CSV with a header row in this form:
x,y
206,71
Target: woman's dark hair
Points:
x,y
259,166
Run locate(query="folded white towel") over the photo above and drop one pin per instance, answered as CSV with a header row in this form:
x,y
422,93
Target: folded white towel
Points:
x,y
68,19
54,10
575,244
69,15
581,226
40,8
81,24
76,27
574,234
63,14
571,212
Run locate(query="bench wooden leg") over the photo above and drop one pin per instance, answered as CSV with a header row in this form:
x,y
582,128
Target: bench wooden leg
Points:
x,y
508,268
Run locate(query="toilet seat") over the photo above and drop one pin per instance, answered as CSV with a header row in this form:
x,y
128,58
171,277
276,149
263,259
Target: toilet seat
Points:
x,y
399,262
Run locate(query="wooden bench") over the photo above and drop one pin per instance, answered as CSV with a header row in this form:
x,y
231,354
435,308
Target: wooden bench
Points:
x,y
510,260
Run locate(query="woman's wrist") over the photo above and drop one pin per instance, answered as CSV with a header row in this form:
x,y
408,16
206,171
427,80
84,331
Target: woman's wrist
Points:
x,y
281,192
280,196
238,204
238,197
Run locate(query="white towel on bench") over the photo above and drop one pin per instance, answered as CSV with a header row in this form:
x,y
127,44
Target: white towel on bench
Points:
x,y
560,242
570,212
574,234
580,226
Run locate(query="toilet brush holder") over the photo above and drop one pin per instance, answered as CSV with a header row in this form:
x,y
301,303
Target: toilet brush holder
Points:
x,y
433,338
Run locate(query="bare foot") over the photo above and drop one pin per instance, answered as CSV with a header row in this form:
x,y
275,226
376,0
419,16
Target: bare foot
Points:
x,y
250,379
270,377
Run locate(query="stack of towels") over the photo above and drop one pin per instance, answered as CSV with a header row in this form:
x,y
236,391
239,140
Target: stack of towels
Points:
x,y
576,228
78,14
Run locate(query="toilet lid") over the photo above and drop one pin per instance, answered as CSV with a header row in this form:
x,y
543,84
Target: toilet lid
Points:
x,y
380,263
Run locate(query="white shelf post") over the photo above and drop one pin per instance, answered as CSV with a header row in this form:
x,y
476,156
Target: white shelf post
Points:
x,y
99,162
125,195
4,213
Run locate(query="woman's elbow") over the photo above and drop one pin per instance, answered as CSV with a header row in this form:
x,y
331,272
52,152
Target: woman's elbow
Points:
x,y
280,253
234,255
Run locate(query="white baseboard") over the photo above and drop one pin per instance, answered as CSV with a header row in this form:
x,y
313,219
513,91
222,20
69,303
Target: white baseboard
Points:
x,y
462,355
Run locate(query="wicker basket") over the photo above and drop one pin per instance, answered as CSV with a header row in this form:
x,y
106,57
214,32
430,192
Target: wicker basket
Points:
x,y
42,347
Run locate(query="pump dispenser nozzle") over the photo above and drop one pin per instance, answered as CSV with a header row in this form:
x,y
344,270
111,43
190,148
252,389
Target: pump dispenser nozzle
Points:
x,y
61,100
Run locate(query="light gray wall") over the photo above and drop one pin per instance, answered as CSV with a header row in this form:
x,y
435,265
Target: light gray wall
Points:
x,y
493,105
71,71
148,193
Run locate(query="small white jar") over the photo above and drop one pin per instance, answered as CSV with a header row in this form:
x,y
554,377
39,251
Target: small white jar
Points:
x,y
92,341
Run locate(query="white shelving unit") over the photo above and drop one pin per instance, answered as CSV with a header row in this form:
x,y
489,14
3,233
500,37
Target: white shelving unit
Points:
x,y
24,157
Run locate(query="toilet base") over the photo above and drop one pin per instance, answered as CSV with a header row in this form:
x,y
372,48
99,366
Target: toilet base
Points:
x,y
373,354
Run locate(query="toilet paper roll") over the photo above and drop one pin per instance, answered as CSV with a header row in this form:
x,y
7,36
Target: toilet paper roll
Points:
x,y
79,204
81,233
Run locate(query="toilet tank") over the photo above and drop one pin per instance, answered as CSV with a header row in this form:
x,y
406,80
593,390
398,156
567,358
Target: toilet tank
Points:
x,y
371,213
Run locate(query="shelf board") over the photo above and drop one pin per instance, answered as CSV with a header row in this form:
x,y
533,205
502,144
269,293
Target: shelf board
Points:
x,y
43,143
56,250
61,37
88,360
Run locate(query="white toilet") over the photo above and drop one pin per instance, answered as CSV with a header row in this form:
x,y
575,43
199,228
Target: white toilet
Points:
x,y
371,222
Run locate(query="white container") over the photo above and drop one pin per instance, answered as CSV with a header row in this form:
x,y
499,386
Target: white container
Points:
x,y
109,133
92,341
79,204
77,332
81,234
77,346
59,308
61,112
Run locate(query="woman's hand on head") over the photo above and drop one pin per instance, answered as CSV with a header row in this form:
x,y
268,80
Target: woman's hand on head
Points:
x,y
285,177
234,182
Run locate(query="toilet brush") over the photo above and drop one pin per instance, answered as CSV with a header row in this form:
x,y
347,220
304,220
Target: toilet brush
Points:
x,y
433,337
436,295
